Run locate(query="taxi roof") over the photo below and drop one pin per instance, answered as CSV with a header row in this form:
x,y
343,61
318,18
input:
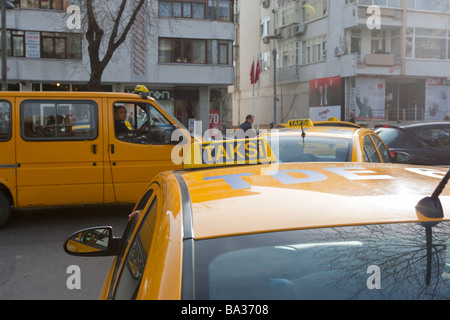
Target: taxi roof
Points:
x,y
273,197
316,130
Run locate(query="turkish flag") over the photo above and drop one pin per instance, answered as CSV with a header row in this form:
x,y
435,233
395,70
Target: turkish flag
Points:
x,y
258,71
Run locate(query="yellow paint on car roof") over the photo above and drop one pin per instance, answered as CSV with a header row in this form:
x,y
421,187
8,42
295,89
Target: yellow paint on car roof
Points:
x,y
263,198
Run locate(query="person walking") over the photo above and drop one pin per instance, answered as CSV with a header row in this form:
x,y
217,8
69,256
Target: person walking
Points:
x,y
248,123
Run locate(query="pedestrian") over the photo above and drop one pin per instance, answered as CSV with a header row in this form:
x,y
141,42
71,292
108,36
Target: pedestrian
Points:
x,y
352,116
248,123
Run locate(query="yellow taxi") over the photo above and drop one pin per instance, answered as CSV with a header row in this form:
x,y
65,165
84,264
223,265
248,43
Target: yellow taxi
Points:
x,y
328,230
302,140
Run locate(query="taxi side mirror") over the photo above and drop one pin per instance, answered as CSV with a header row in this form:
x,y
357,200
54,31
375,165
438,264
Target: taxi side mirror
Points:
x,y
93,242
402,157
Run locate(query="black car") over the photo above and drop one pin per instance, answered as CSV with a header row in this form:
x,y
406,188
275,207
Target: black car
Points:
x,y
422,143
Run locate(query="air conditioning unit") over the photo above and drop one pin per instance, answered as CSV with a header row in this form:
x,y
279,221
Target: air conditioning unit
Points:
x,y
266,3
266,39
300,29
339,51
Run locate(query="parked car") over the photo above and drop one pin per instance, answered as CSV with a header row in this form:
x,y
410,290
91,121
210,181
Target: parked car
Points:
x,y
422,143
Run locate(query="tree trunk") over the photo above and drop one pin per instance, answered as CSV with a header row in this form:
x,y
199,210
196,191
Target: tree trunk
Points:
x,y
95,80
94,36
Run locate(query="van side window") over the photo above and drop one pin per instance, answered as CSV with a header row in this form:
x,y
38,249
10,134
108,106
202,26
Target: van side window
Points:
x,y
141,123
59,120
5,121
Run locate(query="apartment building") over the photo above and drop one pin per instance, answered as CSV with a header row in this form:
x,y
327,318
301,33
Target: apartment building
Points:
x,y
182,50
389,60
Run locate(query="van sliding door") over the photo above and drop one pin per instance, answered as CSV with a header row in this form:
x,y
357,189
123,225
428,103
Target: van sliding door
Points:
x,y
60,153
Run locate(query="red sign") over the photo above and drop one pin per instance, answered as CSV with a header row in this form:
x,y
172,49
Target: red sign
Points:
x,y
214,119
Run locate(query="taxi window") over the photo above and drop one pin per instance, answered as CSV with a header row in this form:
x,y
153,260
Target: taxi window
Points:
x,y
141,123
59,120
370,151
5,121
384,152
134,264
312,148
405,261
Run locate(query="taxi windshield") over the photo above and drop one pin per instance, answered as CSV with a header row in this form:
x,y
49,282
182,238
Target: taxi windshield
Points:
x,y
382,262
311,148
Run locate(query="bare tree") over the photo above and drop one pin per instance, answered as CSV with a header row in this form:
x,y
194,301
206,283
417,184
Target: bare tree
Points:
x,y
101,44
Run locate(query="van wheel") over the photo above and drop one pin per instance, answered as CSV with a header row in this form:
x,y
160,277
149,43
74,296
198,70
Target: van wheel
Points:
x,y
5,209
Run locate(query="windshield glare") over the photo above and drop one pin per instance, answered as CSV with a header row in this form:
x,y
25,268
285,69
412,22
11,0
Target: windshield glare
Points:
x,y
390,261
311,148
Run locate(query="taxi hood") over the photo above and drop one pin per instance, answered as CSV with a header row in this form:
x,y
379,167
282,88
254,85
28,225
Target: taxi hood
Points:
x,y
261,198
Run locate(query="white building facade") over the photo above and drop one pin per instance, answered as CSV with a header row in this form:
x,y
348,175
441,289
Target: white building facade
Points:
x,y
181,50
332,56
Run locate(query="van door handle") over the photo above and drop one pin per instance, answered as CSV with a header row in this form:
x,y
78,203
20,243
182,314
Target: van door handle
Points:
x,y
112,148
94,149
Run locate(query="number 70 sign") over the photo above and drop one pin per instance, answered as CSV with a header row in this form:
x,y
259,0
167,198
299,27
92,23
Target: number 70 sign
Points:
x,y
214,119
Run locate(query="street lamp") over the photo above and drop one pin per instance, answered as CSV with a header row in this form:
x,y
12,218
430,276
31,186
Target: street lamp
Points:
x,y
4,5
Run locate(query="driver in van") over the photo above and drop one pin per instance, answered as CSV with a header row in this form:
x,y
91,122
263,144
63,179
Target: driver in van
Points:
x,y
120,115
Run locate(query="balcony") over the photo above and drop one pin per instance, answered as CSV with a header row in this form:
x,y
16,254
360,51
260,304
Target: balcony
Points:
x,y
356,15
372,64
380,60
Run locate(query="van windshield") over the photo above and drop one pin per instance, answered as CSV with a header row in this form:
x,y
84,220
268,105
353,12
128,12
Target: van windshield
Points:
x,y
387,261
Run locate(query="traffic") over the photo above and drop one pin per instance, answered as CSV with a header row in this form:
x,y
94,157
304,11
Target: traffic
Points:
x,y
267,230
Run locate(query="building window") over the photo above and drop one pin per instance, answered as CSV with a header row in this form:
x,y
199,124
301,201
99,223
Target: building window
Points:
x,y
165,9
43,44
429,5
60,45
43,4
315,50
198,9
265,61
427,43
379,41
196,51
382,3
314,9
287,14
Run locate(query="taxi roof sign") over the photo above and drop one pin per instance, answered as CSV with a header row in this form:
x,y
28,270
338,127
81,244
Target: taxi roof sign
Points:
x,y
228,152
141,88
142,91
300,123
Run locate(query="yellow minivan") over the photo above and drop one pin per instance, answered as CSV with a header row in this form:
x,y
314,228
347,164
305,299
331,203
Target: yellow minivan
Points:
x,y
77,148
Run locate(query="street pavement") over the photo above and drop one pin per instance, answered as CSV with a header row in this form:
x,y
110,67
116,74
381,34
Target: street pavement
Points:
x,y
33,264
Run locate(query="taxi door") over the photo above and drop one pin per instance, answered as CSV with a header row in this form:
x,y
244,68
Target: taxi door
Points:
x,y
59,150
139,146
8,163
